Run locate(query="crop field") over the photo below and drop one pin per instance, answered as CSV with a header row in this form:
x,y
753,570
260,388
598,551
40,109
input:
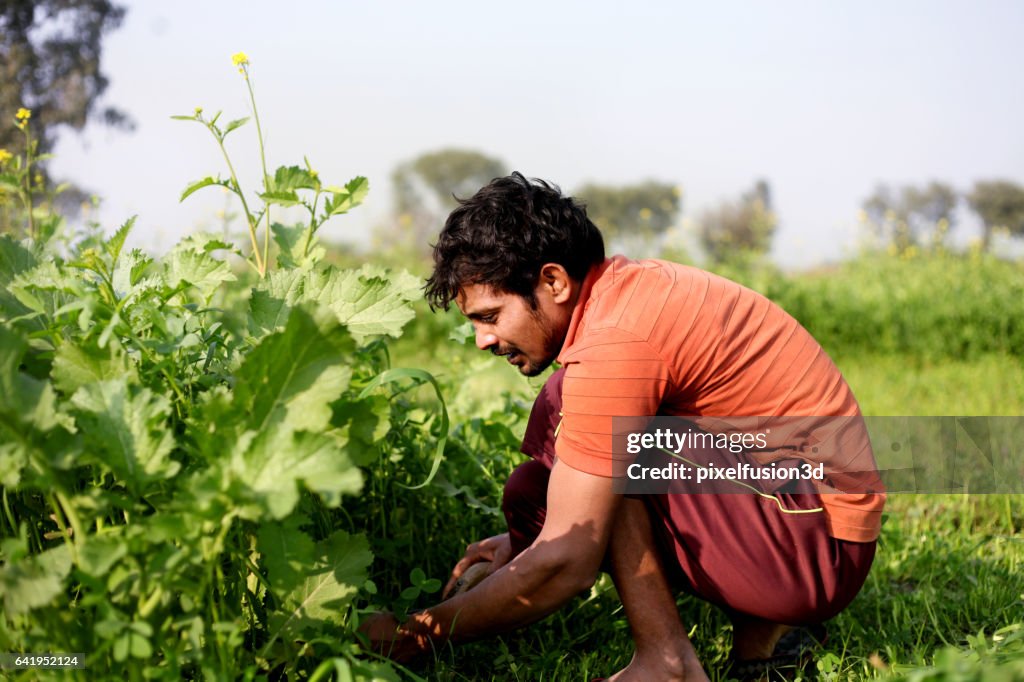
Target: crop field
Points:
x,y
215,461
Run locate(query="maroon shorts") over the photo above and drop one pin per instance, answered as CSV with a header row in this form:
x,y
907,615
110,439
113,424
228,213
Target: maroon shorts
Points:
x,y
747,553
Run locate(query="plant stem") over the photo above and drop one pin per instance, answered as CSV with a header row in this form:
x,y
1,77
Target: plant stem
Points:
x,y
10,516
71,539
245,205
27,195
312,224
263,162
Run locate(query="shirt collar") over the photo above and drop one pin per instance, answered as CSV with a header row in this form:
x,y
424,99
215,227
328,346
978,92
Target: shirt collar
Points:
x,y
580,308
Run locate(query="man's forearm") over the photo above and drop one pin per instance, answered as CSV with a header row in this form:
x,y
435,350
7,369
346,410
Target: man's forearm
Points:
x,y
525,590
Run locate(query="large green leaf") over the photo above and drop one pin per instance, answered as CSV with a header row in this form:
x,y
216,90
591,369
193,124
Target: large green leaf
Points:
x,y
364,422
127,275
280,415
32,425
268,311
14,260
292,377
292,251
126,427
77,365
270,466
372,300
314,599
287,552
24,400
190,263
28,582
47,287
368,301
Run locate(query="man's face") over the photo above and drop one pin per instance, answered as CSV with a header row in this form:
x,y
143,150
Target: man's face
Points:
x,y
505,324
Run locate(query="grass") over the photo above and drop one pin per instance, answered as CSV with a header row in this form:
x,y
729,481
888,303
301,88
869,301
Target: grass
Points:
x,y
904,385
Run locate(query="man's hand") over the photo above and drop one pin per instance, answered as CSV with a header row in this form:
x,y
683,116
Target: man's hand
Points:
x,y
388,637
496,549
563,560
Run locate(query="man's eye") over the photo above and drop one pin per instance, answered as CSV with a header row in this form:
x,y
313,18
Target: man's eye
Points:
x,y
489,319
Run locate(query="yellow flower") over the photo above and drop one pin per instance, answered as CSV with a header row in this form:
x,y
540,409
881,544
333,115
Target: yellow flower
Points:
x,y
23,114
199,111
5,155
241,60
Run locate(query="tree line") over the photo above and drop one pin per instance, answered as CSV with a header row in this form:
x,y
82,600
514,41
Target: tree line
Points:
x,y
903,217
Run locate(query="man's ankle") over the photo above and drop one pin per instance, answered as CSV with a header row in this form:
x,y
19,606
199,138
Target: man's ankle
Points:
x,y
755,639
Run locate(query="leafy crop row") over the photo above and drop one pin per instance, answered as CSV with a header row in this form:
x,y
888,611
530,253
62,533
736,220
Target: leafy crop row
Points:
x,y
154,461
942,305
181,444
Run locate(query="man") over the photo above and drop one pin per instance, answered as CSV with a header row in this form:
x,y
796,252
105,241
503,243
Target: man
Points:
x,y
637,339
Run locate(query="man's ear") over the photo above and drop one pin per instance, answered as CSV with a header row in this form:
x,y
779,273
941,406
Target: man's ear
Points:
x,y
556,283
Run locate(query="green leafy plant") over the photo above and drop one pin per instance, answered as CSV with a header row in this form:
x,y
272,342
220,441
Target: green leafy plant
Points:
x,y
178,448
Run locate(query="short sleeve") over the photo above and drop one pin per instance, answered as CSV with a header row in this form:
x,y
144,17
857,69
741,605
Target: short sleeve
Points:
x,y
616,376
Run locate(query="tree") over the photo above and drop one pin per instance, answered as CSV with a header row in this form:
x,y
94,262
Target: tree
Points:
x,y
631,213
738,230
911,215
426,187
50,63
1000,205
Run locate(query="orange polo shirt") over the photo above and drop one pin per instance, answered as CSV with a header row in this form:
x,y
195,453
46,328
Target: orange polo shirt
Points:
x,y
657,338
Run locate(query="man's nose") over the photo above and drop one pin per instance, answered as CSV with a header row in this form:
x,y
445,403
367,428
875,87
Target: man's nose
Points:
x,y
485,340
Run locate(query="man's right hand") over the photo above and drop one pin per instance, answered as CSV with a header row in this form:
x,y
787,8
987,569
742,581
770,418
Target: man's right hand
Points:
x,y
496,549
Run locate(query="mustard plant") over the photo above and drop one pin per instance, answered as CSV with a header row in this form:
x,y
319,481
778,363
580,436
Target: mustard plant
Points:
x,y
288,186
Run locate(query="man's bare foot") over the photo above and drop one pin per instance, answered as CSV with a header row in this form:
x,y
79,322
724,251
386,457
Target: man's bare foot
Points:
x,y
755,639
684,667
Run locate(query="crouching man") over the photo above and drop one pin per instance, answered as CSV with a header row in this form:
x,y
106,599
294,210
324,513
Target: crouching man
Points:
x,y
637,339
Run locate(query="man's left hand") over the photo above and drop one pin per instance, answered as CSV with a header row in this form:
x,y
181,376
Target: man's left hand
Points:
x,y
388,637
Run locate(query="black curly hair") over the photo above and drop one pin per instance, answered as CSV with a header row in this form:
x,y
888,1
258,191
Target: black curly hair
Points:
x,y
505,232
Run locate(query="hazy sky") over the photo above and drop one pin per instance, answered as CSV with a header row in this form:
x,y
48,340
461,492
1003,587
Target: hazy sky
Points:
x,y
824,99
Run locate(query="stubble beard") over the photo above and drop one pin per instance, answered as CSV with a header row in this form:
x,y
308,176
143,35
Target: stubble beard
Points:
x,y
552,347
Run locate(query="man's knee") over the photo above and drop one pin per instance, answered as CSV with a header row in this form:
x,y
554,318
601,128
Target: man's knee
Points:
x,y
524,502
526,488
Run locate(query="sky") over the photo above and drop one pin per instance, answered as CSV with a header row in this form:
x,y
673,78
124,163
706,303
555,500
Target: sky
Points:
x,y
825,100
